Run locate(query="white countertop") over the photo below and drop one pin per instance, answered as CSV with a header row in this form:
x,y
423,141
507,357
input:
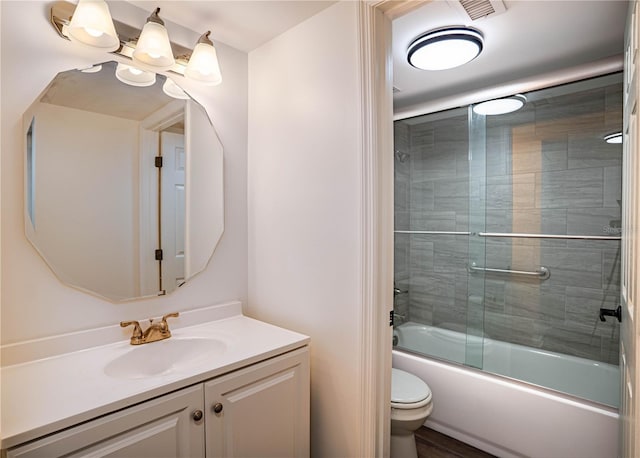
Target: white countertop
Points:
x,y
43,396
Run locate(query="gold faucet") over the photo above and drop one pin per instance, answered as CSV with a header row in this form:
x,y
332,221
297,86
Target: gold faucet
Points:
x,y
155,331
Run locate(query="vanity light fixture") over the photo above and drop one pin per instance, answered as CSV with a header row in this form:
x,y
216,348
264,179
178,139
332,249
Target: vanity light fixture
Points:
x,y
203,65
615,138
500,106
153,47
91,69
133,76
152,51
92,25
173,90
445,48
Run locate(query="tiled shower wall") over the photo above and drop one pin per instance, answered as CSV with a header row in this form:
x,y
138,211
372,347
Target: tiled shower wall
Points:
x,y
548,171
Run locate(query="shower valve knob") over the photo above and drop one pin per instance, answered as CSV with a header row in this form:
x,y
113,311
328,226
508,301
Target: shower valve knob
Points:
x,y
617,312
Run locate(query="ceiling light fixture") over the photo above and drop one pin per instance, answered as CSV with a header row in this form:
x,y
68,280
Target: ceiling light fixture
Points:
x,y
153,47
445,48
615,138
203,65
500,106
133,76
152,51
92,25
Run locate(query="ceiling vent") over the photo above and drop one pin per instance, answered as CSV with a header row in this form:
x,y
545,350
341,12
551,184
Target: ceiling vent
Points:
x,y
477,9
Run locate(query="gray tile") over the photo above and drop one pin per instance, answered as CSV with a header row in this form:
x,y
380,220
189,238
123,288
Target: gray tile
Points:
x,y
451,195
573,339
450,254
592,151
612,186
421,256
422,196
592,221
421,135
554,155
583,305
430,163
515,329
433,221
611,269
573,267
526,298
494,295
572,188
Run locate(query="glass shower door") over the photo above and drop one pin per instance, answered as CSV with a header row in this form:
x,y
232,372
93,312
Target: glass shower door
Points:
x,y
544,239
477,247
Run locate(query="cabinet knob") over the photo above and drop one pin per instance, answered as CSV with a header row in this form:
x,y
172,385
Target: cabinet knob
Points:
x,y
217,407
197,415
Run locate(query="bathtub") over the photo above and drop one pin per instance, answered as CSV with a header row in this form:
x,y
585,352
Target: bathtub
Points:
x,y
504,416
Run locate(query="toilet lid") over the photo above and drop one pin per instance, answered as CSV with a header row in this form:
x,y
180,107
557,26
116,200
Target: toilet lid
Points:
x,y
406,388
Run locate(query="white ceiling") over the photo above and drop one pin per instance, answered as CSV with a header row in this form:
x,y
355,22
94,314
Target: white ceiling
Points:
x,y
241,24
531,37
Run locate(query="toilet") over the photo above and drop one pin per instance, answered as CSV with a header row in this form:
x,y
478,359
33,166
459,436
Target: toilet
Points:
x,y
410,406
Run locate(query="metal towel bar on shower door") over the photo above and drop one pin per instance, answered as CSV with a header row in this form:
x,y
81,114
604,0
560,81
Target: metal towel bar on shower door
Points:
x,y
542,273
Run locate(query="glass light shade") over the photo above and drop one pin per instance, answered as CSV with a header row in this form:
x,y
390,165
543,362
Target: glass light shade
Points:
x,y
134,76
615,138
445,48
500,106
153,47
92,25
173,90
92,69
203,65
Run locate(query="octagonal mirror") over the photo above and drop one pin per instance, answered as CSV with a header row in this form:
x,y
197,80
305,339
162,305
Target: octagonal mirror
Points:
x,y
123,184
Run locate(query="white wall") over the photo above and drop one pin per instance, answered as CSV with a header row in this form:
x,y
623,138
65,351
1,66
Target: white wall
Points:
x,y
87,237
305,209
34,302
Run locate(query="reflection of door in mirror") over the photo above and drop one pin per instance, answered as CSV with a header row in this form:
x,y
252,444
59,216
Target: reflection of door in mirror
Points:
x,y
172,210
162,181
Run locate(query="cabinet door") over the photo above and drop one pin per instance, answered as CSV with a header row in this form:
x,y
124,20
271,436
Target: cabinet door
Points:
x,y
265,410
161,428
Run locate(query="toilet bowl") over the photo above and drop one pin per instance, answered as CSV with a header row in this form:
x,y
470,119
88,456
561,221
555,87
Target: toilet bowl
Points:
x,y
410,406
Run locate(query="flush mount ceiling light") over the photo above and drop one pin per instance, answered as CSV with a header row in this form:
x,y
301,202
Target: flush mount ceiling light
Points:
x,y
445,48
153,47
500,106
615,138
152,51
92,25
203,65
134,76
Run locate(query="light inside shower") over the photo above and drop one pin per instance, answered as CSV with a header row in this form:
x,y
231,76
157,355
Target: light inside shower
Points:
x,y
500,106
615,138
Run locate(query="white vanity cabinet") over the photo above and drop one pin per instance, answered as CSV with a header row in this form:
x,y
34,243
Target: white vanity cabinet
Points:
x,y
261,410
161,428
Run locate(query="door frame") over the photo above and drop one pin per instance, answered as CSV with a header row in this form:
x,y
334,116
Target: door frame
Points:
x,y
150,128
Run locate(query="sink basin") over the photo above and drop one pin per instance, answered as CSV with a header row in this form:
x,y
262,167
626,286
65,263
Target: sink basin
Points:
x,y
164,356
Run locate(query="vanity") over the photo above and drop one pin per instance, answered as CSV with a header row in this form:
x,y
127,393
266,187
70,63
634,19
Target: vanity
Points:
x,y
124,201
230,386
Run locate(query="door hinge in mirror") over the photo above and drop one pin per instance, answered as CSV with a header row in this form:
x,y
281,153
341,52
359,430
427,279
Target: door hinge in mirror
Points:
x,y
158,161
158,255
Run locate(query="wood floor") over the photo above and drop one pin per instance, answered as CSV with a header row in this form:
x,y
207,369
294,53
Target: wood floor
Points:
x,y
432,444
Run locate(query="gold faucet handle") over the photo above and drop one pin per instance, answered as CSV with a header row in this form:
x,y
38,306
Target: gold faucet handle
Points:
x,y
137,330
170,315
